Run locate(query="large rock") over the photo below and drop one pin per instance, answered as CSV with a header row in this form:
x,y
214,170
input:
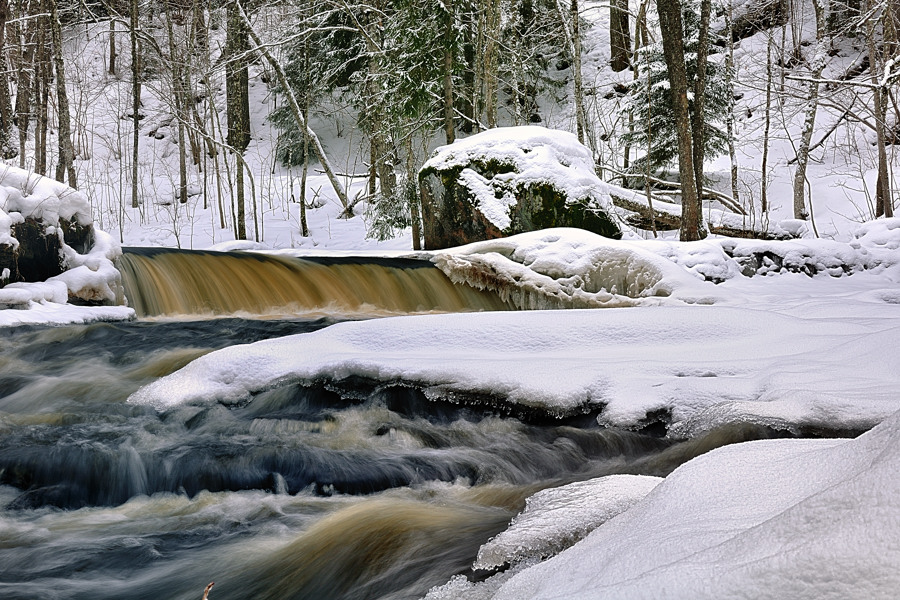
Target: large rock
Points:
x,y
512,180
47,234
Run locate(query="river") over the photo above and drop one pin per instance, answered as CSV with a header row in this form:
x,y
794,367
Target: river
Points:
x,y
304,492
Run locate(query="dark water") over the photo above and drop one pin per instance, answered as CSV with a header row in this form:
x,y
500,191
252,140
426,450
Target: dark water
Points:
x,y
301,493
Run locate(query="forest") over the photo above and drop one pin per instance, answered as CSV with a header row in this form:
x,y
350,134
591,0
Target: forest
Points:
x,y
154,108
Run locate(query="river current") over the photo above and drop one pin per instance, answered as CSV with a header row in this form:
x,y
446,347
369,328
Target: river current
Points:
x,y
303,492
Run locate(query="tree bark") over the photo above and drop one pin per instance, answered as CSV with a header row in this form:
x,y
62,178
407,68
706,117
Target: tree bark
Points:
x,y
135,100
580,121
112,47
237,106
449,126
698,127
619,35
673,49
8,149
883,198
27,67
490,60
178,94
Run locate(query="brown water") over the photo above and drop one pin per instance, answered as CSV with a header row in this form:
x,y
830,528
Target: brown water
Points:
x,y
164,282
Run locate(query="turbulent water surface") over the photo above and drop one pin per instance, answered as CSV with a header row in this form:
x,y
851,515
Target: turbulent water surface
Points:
x,y
299,493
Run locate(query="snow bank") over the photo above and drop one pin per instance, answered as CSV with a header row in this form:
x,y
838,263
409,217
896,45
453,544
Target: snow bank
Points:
x,y
31,195
555,519
573,268
767,519
533,155
696,365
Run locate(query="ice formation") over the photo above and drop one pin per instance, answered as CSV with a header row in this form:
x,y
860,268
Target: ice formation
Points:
x,y
556,518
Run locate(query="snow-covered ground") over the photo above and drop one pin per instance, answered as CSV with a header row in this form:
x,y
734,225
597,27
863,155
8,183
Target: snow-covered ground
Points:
x,y
770,519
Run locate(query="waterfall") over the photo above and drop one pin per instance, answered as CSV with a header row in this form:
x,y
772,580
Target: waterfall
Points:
x,y
167,282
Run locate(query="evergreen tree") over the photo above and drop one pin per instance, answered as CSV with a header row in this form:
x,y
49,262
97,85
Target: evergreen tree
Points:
x,y
650,99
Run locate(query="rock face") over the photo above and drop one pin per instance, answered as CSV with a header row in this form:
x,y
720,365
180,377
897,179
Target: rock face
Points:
x,y
512,180
39,255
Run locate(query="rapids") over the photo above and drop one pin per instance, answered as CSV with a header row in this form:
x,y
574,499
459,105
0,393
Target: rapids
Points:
x,y
303,492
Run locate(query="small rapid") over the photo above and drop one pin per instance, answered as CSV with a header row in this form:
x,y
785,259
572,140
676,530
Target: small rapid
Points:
x,y
301,492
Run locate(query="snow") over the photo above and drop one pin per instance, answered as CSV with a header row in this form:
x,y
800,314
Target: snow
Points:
x,y
767,519
34,196
89,277
789,351
557,518
535,155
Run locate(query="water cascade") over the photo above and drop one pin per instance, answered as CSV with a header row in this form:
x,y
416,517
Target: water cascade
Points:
x,y
304,491
161,281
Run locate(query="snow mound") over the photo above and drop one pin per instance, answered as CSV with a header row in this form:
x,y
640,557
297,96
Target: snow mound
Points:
x,y
573,268
531,155
767,519
88,276
24,194
697,366
556,518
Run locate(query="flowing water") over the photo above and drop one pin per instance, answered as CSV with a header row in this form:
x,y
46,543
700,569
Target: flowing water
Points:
x,y
301,493
161,281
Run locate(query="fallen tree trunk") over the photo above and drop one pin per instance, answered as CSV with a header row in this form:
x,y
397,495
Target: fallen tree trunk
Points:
x,y
668,216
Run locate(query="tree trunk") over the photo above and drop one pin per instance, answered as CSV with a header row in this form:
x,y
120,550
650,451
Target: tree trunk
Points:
x,y
66,165
491,61
770,82
699,113
8,149
817,66
178,96
619,35
377,124
112,47
673,49
883,201
237,106
304,227
135,100
729,117
580,121
26,66
449,127
41,95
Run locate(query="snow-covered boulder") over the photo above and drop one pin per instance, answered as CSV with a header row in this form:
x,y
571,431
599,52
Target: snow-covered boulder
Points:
x,y
512,180
50,250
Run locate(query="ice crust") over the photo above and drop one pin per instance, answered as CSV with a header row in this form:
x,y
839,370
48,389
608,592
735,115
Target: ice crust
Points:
x,y
556,518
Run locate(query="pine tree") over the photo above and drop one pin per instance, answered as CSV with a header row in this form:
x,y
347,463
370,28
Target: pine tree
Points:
x,y
650,99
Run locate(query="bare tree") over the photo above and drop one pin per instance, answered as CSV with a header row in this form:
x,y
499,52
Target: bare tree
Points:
x,y
66,164
817,65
